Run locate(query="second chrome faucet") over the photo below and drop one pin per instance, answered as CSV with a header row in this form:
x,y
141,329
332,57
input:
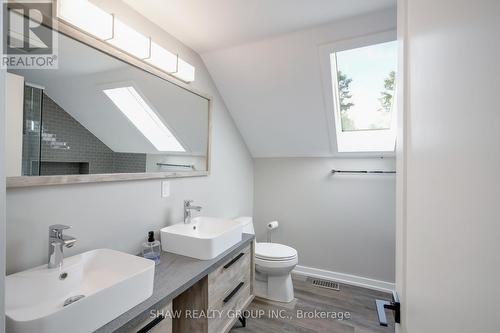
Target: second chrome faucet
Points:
x,y
187,210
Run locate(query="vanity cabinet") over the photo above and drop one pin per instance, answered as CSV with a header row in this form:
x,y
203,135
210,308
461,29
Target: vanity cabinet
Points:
x,y
219,297
229,290
161,324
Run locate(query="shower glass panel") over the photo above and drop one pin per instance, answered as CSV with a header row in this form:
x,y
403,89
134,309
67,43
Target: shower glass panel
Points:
x,y
32,130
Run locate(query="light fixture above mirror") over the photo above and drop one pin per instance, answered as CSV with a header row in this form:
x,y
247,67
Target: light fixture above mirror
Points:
x,y
163,59
129,40
87,17
96,22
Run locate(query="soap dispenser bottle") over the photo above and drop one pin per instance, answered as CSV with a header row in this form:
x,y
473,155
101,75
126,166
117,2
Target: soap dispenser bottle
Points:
x,y
151,249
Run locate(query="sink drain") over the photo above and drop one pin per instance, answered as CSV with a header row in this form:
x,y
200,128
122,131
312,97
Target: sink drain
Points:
x,y
73,299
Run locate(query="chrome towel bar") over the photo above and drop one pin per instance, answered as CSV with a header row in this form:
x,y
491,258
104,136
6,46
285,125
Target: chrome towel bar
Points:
x,y
363,171
191,166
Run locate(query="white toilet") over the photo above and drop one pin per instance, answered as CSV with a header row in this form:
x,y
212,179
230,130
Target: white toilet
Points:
x,y
273,265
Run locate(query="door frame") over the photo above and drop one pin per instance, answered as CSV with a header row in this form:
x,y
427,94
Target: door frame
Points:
x,y
401,159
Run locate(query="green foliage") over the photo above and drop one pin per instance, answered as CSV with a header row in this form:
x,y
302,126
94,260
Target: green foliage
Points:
x,y
387,95
344,101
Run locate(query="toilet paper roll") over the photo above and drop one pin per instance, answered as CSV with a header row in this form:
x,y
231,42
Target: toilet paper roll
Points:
x,y
272,225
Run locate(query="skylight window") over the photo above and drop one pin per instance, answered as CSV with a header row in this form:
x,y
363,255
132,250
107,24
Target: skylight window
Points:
x,y
135,108
364,86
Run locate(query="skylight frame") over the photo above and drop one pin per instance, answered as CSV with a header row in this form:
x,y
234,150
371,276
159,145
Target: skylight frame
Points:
x,y
362,143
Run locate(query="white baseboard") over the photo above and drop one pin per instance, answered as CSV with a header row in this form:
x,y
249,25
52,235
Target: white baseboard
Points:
x,y
353,280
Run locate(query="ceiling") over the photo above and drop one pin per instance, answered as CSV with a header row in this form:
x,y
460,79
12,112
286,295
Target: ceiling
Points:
x,y
209,25
264,56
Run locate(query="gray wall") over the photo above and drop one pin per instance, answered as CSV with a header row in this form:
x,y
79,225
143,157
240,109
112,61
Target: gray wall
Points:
x,y
340,223
118,215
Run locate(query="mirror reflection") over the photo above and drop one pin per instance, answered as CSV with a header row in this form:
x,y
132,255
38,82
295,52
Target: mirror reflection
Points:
x,y
96,114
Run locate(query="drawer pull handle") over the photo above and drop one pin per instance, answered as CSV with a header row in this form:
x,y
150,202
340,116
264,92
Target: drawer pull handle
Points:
x,y
152,324
235,259
238,287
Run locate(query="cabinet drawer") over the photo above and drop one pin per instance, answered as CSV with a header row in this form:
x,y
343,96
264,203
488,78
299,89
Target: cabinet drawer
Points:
x,y
229,290
159,324
225,278
235,300
226,300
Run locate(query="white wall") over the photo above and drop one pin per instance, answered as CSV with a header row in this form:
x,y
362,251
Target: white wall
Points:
x,y
452,258
341,223
2,191
118,215
14,125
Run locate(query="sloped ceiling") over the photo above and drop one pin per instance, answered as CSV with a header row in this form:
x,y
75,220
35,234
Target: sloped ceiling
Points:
x,y
273,88
264,58
214,24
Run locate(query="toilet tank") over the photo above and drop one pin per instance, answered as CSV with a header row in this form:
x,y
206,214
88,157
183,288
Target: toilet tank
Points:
x,y
247,223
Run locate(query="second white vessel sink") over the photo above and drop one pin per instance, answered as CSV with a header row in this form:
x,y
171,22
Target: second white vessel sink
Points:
x,y
88,291
204,238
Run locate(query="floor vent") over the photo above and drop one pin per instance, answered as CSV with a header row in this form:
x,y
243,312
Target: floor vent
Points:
x,y
325,284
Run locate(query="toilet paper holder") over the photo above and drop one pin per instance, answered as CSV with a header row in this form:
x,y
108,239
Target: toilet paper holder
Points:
x,y
270,227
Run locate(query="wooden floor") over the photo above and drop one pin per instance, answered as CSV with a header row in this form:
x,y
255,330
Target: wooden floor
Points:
x,y
359,302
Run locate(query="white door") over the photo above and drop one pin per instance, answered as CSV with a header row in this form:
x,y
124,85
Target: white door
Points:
x,y
448,265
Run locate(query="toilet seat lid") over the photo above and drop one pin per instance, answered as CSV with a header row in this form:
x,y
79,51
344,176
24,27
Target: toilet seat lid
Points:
x,y
274,251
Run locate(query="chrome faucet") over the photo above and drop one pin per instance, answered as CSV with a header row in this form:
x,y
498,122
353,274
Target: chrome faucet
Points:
x,y
56,243
187,210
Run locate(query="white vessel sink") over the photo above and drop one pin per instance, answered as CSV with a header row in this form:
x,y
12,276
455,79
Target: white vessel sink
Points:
x,y
204,238
111,281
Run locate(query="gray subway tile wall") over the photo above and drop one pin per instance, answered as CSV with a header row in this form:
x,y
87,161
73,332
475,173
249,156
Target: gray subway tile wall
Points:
x,y
129,162
69,148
